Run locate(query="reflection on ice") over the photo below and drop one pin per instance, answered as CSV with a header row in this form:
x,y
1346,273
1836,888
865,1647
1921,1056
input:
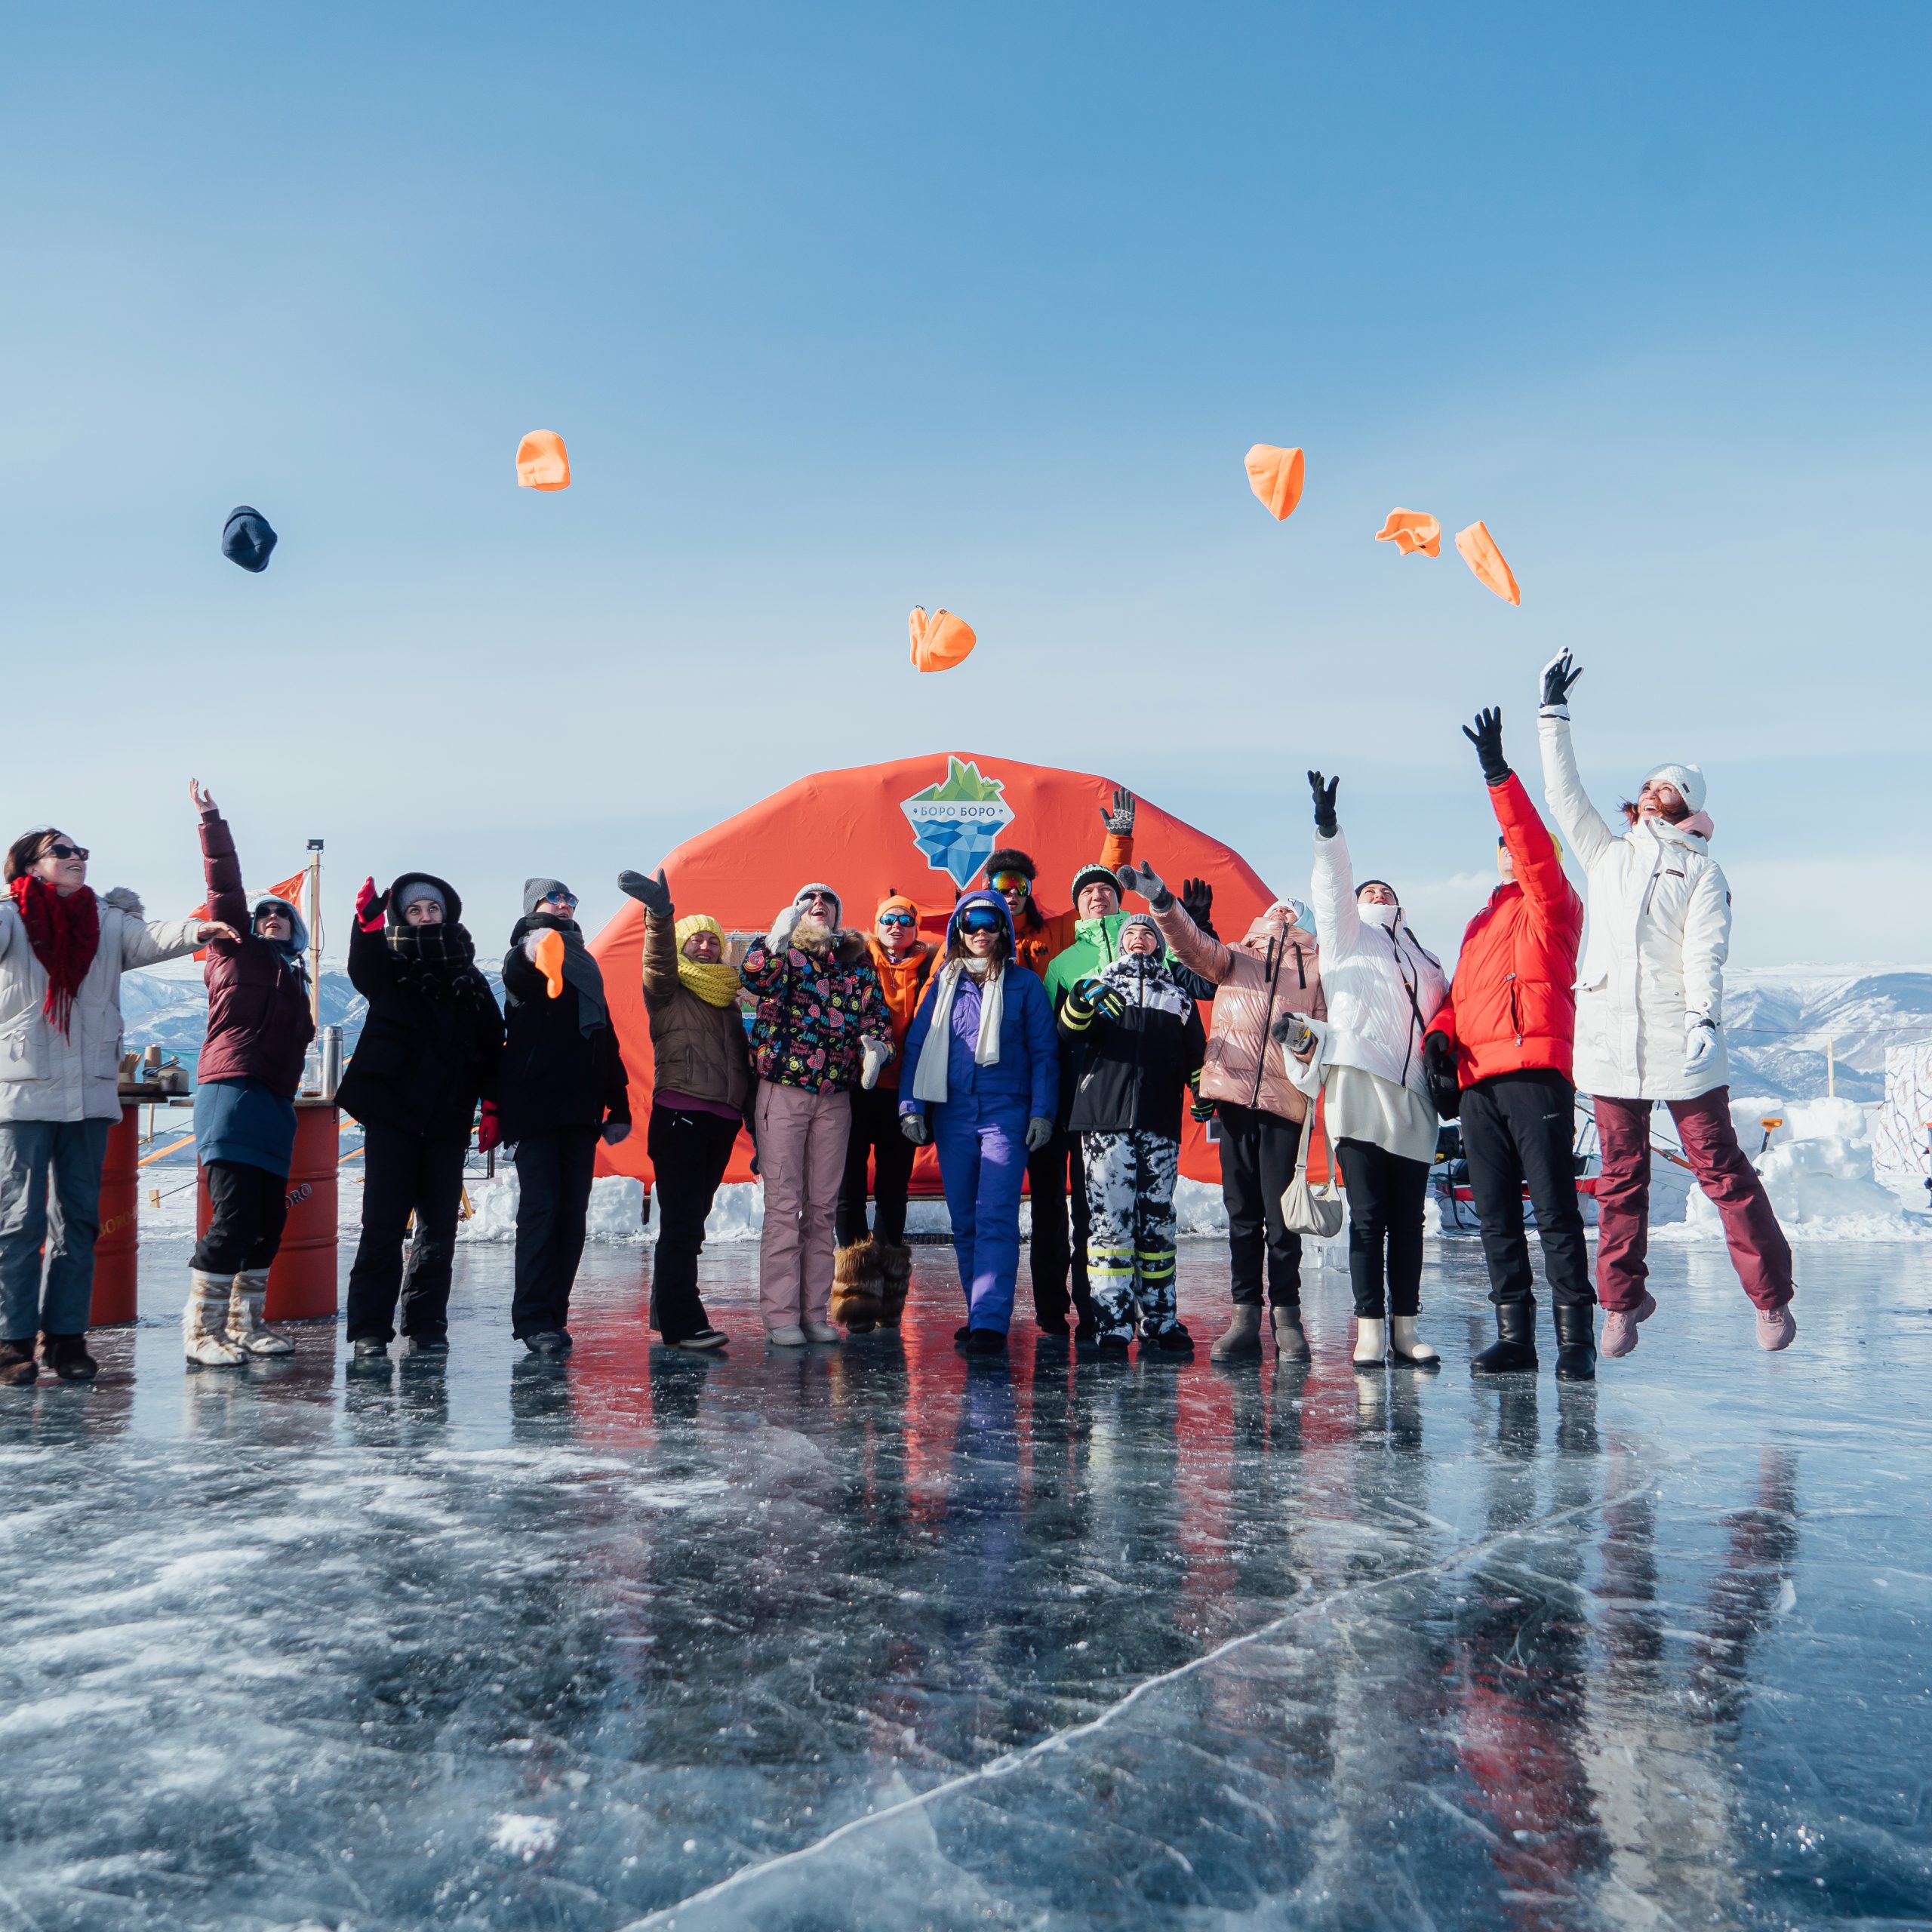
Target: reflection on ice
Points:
x,y
864,1637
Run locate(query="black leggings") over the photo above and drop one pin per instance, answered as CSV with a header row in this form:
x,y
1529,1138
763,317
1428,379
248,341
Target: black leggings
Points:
x,y
1385,1196
875,1133
249,1206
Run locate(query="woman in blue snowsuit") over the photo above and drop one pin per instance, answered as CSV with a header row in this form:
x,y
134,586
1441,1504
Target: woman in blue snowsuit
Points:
x,y
982,1083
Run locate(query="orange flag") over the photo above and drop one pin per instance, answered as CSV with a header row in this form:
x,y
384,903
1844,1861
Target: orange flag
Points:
x,y
940,642
290,889
1411,531
542,462
1480,553
1275,476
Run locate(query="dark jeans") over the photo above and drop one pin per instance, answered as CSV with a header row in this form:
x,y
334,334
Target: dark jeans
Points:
x,y
1520,1127
249,1206
1052,1256
876,1132
405,1173
689,1151
1385,1196
1257,1163
65,1215
553,1172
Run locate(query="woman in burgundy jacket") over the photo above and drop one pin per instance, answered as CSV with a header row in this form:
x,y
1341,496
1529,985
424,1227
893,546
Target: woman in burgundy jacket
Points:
x,y
260,1026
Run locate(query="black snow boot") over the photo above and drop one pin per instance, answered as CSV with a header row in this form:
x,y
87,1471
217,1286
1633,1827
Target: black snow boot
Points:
x,y
371,1348
1575,1342
548,1341
1514,1350
985,1341
18,1369
67,1356
1174,1341
1113,1348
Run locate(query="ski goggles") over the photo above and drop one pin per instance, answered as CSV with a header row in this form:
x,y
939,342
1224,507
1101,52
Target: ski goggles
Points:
x,y
1013,882
981,919
896,919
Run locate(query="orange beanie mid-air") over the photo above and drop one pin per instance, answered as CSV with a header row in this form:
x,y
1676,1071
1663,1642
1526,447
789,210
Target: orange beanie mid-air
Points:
x,y
1275,476
1411,531
1480,553
542,462
940,642
550,962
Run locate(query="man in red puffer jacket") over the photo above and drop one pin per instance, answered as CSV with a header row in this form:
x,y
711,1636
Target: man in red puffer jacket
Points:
x,y
1503,1037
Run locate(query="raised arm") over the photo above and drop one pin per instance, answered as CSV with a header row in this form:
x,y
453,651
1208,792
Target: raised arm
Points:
x,y
660,956
1117,847
1577,818
220,867
1332,886
1205,957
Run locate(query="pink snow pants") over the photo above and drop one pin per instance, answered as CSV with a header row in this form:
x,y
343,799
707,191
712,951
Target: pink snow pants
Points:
x,y
801,1140
1758,1249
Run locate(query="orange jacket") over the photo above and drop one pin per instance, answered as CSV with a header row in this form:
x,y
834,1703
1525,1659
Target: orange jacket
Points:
x,y
1041,936
1511,1006
904,981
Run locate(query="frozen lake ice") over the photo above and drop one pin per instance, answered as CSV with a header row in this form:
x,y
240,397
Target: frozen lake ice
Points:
x,y
866,1637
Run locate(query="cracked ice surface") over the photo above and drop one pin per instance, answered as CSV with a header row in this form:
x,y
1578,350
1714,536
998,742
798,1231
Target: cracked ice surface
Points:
x,y
869,1638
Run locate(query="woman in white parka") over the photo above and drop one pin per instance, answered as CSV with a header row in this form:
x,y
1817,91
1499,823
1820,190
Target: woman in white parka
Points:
x,y
1382,989
1649,1021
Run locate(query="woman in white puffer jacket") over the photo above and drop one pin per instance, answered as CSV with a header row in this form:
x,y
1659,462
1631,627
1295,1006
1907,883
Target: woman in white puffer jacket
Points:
x,y
1382,988
1649,1021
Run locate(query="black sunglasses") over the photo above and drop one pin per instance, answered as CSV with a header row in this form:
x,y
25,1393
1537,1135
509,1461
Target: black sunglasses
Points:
x,y
60,849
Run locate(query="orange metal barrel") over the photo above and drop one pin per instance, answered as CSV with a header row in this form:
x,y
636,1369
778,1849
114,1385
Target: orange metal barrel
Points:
x,y
117,1251
302,1282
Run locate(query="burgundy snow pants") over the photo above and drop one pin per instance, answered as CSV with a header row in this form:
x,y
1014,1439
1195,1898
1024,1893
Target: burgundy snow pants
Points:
x,y
1758,1249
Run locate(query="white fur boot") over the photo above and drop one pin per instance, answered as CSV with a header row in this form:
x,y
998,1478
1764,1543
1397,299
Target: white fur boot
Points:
x,y
1405,1347
245,1327
1371,1342
204,1317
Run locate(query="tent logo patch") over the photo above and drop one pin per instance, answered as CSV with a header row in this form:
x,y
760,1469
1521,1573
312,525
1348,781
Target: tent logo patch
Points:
x,y
957,822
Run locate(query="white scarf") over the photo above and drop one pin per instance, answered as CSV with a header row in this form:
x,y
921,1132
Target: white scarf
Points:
x,y
929,1083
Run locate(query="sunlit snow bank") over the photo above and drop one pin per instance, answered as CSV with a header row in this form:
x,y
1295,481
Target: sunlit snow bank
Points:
x,y
1817,1171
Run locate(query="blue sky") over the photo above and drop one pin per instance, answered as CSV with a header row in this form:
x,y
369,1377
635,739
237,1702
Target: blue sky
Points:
x,y
844,309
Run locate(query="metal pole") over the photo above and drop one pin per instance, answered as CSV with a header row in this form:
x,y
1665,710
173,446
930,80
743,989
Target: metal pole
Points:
x,y
316,931
1831,1067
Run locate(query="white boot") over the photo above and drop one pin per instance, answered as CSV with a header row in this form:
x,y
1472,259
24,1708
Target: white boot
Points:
x,y
1371,1342
1405,1347
204,1318
244,1317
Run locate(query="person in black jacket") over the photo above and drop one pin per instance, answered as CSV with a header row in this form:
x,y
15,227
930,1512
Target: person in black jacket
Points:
x,y
1141,1042
429,1050
563,1086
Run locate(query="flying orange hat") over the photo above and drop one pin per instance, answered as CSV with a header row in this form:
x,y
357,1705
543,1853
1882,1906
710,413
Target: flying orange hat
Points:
x,y
1480,553
550,962
1411,531
940,642
542,462
1275,476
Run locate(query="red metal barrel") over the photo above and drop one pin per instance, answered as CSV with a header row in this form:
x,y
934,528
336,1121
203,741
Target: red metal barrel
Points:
x,y
117,1251
302,1282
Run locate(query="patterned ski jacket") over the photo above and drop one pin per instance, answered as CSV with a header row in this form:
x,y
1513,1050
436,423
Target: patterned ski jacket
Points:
x,y
1134,1071
814,1008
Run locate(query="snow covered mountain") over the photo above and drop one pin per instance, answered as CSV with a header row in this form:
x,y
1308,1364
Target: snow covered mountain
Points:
x,y
1777,1020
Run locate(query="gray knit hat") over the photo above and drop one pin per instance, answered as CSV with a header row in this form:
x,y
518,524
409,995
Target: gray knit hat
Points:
x,y
414,891
804,892
536,891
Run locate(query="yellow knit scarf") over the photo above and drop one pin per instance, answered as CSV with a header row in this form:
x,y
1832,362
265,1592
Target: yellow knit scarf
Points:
x,y
716,985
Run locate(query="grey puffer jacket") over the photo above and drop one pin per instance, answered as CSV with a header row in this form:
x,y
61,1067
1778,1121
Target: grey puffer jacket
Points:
x,y
45,1074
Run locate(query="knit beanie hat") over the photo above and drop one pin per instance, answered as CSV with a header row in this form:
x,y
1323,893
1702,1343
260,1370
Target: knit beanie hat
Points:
x,y
414,891
805,891
1134,919
1010,858
1689,779
1094,875
896,902
248,539
696,922
536,891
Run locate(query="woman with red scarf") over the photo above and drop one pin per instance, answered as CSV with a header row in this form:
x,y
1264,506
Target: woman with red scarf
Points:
x,y
62,953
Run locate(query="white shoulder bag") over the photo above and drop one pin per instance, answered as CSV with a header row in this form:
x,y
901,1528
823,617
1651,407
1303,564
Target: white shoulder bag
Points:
x,y
1314,1210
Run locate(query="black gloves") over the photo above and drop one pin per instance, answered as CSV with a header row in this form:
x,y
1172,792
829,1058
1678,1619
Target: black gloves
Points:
x,y
1558,675
1325,821
1438,1068
1121,819
1198,1109
1197,901
1488,739
1093,994
653,893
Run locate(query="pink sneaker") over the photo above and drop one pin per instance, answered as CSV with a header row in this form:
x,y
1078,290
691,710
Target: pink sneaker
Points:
x,y
1619,1326
1777,1328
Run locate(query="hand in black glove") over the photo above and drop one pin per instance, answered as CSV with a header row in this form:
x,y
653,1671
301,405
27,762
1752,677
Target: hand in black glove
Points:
x,y
1197,901
1488,739
1198,1109
1558,675
1093,993
1438,1067
914,1127
1121,819
653,893
1325,803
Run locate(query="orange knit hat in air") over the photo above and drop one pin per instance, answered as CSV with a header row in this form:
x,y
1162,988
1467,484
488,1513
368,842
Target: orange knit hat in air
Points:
x,y
1410,530
542,462
1480,553
1275,476
940,642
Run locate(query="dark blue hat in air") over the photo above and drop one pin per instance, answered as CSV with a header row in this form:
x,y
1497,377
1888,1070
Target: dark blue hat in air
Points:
x,y
248,539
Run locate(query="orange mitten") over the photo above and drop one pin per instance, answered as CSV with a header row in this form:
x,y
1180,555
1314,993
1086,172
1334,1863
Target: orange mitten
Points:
x,y
542,462
940,642
550,961
1275,476
1480,553
1410,530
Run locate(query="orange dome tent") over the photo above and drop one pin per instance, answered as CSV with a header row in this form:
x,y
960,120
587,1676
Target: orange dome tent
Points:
x,y
925,827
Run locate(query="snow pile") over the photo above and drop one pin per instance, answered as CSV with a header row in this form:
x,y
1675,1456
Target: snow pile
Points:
x,y
616,1209
1817,1171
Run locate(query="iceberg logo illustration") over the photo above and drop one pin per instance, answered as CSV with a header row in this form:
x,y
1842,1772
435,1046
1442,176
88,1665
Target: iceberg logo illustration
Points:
x,y
958,822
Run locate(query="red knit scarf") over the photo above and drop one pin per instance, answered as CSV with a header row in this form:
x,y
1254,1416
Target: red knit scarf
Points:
x,y
65,934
